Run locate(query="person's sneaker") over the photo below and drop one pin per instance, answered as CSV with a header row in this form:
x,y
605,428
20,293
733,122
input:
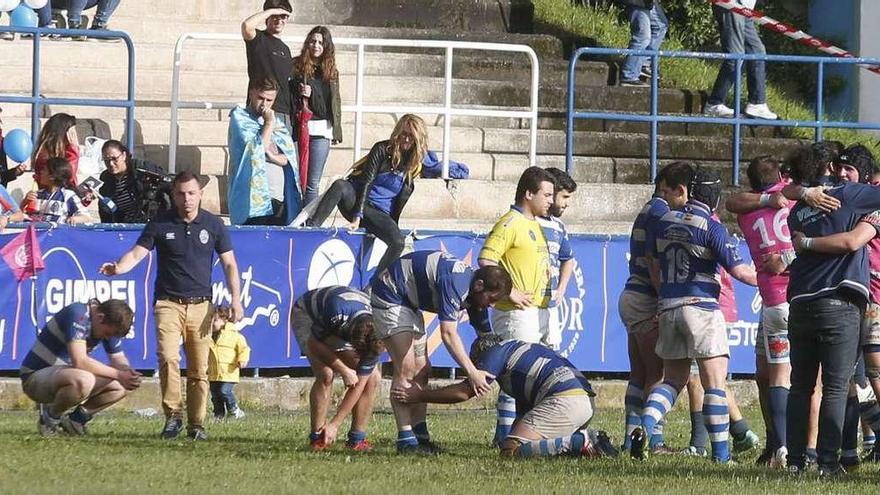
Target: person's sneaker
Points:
x,y
873,455
602,443
173,427
662,449
795,470
318,444
748,441
645,71
46,424
779,459
635,83
831,472
362,446
811,458
73,25
694,451
850,463
7,36
103,28
196,434
761,111
637,443
720,110
72,427
237,413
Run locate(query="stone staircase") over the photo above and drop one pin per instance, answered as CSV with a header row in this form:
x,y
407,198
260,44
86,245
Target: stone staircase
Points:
x,y
611,156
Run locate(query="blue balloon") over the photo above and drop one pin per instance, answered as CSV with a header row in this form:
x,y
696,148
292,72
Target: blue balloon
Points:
x,y
18,146
23,16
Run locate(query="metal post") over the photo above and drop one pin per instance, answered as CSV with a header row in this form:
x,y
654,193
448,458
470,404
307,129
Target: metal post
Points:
x,y
358,102
737,128
175,97
129,111
533,131
447,115
37,105
820,99
569,117
655,99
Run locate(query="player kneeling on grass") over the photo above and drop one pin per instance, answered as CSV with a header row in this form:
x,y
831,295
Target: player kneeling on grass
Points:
x,y
59,374
554,401
437,282
334,329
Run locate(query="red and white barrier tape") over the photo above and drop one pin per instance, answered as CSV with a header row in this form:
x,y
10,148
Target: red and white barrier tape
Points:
x,y
789,31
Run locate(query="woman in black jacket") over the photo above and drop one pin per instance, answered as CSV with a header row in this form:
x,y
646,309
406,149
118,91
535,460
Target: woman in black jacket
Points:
x,y
136,189
379,186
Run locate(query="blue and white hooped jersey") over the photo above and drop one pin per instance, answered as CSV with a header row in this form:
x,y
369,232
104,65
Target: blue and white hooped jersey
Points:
x,y
333,308
639,275
560,251
530,372
689,246
432,281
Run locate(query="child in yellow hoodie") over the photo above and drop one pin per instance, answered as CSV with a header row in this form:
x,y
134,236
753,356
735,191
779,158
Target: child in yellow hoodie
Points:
x,y
229,353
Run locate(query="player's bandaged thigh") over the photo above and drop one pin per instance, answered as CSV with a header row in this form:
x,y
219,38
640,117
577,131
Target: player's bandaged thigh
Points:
x,y
871,325
637,311
517,324
395,319
420,347
559,415
40,385
774,334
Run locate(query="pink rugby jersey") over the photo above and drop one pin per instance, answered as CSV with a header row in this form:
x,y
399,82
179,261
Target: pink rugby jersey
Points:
x,y
874,255
766,232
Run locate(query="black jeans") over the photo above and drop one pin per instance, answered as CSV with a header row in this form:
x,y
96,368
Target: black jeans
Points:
x,y
375,221
822,332
223,398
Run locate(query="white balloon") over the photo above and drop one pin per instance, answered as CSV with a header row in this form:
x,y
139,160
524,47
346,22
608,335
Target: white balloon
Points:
x,y
36,4
8,5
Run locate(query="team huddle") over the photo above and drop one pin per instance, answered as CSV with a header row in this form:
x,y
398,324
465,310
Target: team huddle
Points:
x,y
806,223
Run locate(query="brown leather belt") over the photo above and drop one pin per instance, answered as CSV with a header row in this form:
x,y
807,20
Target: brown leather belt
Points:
x,y
185,300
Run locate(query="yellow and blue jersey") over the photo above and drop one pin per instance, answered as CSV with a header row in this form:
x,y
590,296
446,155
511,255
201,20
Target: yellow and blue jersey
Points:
x,y
519,246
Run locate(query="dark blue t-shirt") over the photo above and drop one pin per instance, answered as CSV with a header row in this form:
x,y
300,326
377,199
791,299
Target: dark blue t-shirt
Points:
x,y
185,252
815,275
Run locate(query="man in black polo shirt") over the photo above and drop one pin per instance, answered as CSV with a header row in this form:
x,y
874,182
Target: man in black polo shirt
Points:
x,y
185,238
267,56
827,294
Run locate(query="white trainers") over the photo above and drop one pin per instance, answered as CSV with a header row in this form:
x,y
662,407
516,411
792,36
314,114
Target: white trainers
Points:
x,y
761,111
778,460
719,110
237,413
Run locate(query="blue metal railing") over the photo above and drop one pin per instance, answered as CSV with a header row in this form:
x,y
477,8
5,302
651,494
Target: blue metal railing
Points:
x,y
36,100
654,118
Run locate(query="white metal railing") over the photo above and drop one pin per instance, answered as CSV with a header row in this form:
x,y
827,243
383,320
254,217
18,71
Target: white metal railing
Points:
x,y
359,109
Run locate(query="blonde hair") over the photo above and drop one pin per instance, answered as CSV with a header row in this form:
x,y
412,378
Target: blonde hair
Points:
x,y
415,126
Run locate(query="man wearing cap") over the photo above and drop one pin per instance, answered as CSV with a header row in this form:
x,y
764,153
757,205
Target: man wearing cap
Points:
x,y
185,238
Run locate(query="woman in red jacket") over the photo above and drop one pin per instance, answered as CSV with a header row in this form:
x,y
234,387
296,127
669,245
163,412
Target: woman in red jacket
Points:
x,y
58,139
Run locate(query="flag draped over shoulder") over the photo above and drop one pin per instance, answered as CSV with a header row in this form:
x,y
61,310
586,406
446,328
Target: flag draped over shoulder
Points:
x,y
248,189
23,254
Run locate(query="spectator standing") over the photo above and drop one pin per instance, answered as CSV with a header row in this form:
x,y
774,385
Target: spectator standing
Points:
x,y
263,180
647,26
315,81
267,56
379,187
229,354
58,139
185,238
739,35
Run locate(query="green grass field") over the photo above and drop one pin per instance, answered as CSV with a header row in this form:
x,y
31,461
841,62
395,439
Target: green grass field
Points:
x,y
266,453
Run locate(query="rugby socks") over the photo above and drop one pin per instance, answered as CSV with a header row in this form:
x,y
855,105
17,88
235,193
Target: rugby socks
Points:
x,y
657,434
778,406
80,415
405,438
699,433
739,428
717,419
506,414
850,440
870,412
659,402
633,404
356,437
421,432
555,446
